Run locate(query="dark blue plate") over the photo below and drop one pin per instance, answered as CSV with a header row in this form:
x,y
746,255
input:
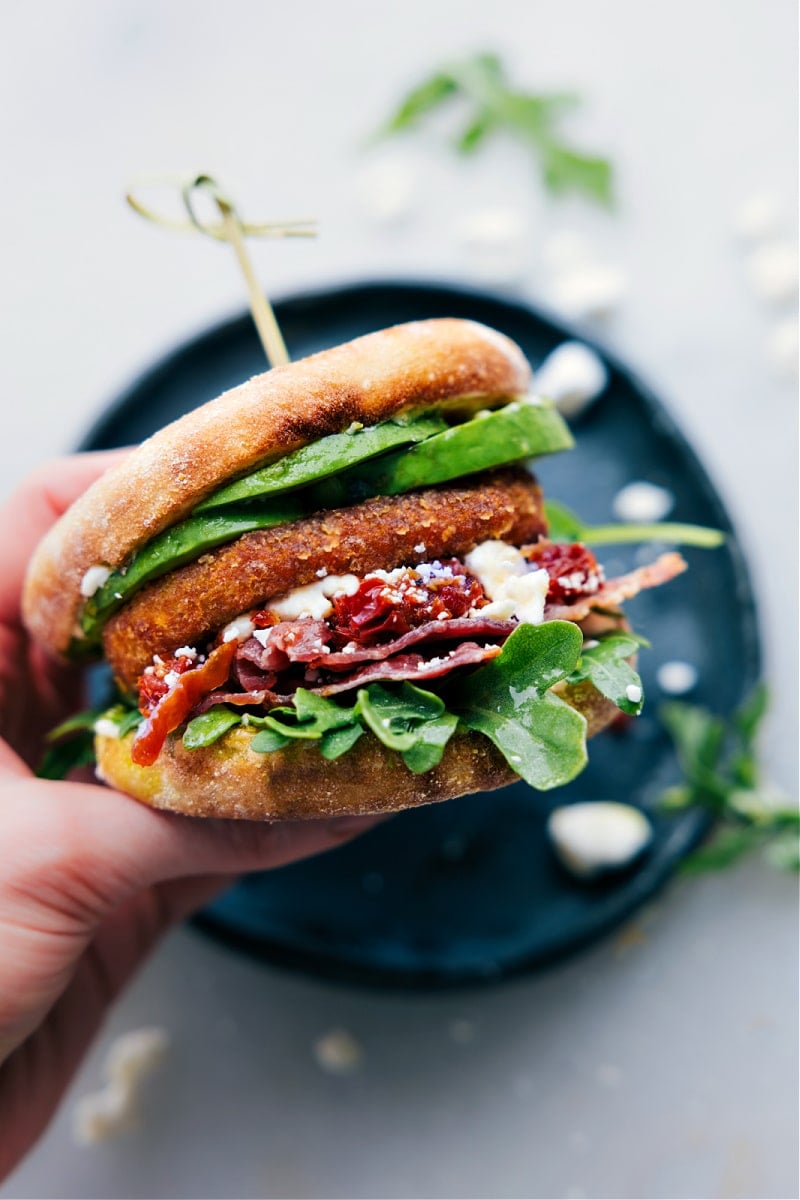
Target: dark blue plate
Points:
x,y
468,891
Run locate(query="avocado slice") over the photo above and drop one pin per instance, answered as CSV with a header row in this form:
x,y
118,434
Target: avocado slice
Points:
x,y
521,429
329,455
175,547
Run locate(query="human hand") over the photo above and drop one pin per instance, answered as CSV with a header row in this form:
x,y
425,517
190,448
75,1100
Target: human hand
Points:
x,y
89,879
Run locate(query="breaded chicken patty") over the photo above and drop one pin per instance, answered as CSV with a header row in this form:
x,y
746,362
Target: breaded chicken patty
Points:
x,y
191,604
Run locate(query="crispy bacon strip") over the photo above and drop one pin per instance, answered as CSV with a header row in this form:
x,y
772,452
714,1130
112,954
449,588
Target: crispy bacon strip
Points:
x,y
179,701
623,588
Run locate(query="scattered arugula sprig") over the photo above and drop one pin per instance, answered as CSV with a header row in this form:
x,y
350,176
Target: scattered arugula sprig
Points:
x,y
566,526
71,744
496,106
720,764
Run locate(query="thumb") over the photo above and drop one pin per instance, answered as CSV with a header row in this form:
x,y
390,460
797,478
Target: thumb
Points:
x,y
75,852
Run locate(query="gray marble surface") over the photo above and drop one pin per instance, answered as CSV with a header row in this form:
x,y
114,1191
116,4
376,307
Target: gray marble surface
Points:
x,y
663,1061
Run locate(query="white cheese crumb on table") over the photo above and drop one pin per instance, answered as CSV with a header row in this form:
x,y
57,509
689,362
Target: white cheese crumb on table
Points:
x,y
758,217
676,677
572,376
114,1109
773,271
597,836
643,502
338,1052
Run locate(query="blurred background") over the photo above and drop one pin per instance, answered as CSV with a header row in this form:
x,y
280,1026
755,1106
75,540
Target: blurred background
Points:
x,y
663,1061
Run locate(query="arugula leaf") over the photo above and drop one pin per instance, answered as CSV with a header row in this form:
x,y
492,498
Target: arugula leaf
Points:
x,y
337,742
508,700
210,726
78,723
719,762
722,851
313,718
494,106
567,526
699,737
607,668
58,761
130,719
409,720
267,740
432,737
394,715
423,99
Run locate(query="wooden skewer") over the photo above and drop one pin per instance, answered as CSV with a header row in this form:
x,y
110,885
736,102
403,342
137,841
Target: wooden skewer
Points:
x,y
232,229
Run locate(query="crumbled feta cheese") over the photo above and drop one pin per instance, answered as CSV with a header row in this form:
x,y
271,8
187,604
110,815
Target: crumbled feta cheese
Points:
x,y
773,271
321,572
171,678
496,610
388,186
593,290
105,727
505,575
497,241
314,600
238,630
676,677
566,248
185,652
643,502
759,217
782,348
420,548
115,1108
572,376
354,426
262,635
338,1052
633,692
598,836
93,580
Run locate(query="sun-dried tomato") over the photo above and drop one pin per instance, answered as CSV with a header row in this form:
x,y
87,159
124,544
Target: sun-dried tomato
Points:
x,y
177,703
153,682
573,569
380,608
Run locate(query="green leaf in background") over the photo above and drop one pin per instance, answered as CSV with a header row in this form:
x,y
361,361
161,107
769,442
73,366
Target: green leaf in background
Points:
x,y
481,85
508,700
720,765
699,737
422,100
567,526
606,667
723,850
210,726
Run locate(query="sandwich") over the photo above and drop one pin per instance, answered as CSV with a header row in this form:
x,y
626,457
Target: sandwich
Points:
x,y
332,591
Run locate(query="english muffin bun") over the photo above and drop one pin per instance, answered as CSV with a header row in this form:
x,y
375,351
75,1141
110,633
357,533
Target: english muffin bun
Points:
x,y
229,780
